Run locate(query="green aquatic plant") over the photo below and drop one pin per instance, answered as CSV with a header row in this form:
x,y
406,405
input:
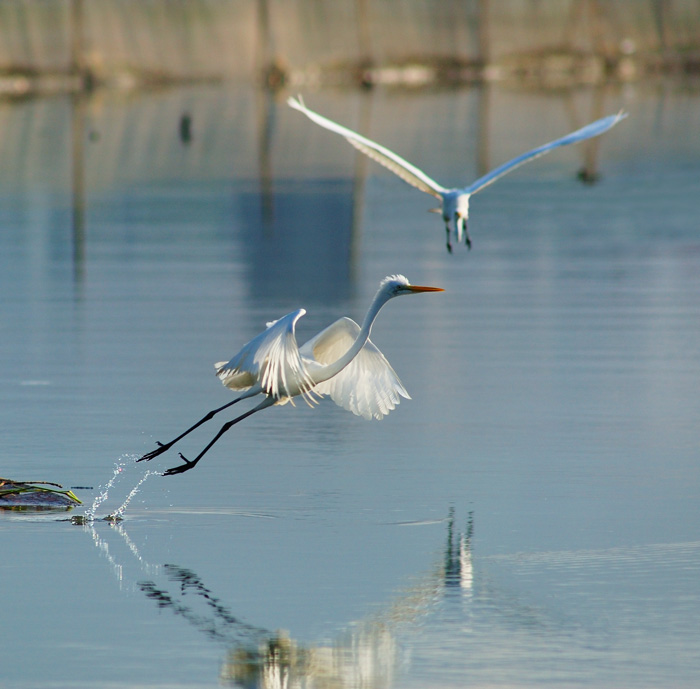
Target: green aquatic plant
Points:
x,y
35,492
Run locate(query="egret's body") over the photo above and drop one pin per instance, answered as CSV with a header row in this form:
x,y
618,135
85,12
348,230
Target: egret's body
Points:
x,y
340,361
454,203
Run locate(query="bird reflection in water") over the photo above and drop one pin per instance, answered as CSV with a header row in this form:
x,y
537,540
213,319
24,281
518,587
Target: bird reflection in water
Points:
x,y
366,655
459,572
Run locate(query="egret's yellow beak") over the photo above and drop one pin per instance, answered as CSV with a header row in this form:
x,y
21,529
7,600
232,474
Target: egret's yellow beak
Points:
x,y
420,288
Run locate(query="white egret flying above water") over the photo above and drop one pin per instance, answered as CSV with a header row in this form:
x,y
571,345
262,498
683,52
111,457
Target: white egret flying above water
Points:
x,y
341,361
454,202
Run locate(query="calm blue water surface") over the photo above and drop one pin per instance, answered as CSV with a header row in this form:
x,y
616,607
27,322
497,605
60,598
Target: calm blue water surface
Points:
x,y
530,518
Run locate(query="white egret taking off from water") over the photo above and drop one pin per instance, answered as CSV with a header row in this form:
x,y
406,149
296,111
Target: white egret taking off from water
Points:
x,y
341,361
454,202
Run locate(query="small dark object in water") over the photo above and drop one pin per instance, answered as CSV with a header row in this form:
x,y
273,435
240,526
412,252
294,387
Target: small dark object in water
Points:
x,y
185,128
82,520
17,494
588,176
113,518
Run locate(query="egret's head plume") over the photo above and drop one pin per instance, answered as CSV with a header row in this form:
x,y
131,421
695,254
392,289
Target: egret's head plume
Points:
x,y
393,280
395,285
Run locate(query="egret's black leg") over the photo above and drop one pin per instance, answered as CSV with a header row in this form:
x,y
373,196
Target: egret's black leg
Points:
x,y
190,464
449,244
163,447
467,238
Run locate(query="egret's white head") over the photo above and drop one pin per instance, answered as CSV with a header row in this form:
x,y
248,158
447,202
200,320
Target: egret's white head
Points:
x,y
396,285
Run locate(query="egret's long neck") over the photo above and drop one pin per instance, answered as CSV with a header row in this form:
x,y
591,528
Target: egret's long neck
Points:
x,y
338,365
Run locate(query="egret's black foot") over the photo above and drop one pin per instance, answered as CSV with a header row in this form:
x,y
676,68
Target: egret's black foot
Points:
x,y
449,248
154,453
182,468
468,242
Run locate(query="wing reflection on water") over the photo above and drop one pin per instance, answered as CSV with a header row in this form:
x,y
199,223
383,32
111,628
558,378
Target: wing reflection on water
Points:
x,y
367,654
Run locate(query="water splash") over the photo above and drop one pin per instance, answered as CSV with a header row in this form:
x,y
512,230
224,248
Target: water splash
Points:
x,y
119,470
117,514
104,494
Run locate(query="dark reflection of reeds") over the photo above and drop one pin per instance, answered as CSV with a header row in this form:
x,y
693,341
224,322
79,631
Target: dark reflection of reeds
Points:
x,y
78,186
290,199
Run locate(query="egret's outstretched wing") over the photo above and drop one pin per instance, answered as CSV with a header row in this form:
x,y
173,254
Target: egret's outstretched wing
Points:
x,y
368,386
272,360
407,172
590,130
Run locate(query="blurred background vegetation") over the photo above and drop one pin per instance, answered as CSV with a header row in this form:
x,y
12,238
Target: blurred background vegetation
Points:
x,y
73,44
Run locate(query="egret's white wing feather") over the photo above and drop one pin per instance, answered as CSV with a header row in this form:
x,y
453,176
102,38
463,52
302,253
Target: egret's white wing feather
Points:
x,y
272,360
400,167
590,130
368,386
